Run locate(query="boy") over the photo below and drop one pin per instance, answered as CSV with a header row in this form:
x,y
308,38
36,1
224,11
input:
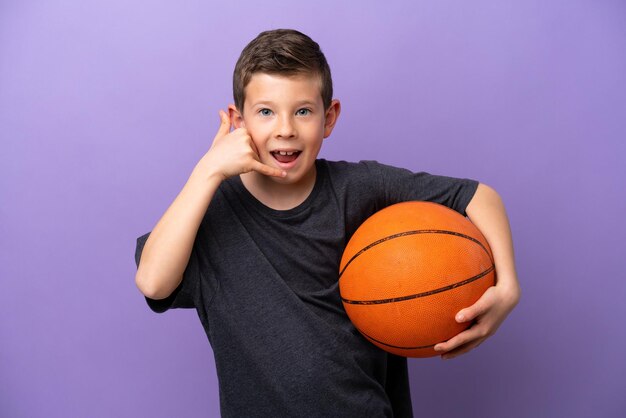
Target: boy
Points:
x,y
253,243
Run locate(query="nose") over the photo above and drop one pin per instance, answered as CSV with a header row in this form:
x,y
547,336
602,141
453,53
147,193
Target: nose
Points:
x,y
285,127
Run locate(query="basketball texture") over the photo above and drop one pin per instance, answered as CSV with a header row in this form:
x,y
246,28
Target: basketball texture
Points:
x,y
408,270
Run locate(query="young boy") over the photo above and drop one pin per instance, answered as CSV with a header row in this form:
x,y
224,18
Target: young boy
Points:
x,y
254,239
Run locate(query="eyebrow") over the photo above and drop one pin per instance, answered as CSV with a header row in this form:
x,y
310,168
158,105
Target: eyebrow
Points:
x,y
298,103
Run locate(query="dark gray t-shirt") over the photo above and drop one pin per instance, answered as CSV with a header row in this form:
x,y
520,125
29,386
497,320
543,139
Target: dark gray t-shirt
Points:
x,y
265,285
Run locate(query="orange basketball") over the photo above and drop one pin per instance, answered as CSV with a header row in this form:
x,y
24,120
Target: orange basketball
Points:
x,y
408,270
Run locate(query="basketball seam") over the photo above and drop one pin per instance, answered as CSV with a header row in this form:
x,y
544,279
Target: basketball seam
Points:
x,y
420,295
396,346
413,232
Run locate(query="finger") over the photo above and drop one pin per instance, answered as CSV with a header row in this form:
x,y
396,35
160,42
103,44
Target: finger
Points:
x,y
267,170
224,128
462,349
458,340
472,312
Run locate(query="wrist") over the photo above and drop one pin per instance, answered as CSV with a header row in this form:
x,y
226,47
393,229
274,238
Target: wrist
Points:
x,y
207,172
202,180
509,288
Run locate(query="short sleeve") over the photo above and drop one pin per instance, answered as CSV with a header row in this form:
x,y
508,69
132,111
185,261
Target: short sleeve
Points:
x,y
400,185
186,294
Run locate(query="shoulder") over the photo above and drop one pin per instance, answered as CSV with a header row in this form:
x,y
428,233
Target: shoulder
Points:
x,y
364,178
370,174
363,168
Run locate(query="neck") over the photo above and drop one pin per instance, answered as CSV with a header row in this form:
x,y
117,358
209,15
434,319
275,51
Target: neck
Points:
x,y
277,195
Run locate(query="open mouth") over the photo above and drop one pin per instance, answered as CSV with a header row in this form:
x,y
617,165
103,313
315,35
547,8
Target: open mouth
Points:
x,y
285,157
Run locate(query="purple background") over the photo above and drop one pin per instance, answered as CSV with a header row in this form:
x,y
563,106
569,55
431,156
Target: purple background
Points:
x,y
105,107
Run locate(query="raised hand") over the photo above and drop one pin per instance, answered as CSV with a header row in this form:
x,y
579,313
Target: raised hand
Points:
x,y
233,153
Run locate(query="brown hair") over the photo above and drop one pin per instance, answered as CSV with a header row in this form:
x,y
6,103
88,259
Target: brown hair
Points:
x,y
285,52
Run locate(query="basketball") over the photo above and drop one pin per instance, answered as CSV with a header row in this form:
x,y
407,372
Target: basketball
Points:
x,y
408,270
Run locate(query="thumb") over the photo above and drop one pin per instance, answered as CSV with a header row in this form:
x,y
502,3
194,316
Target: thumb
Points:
x,y
483,305
471,313
224,128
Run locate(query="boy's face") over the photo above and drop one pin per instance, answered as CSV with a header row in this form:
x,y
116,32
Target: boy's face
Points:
x,y
286,119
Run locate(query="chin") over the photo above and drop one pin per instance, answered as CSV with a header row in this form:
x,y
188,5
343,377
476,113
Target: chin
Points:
x,y
290,178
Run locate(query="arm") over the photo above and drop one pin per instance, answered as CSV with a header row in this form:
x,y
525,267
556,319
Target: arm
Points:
x,y
487,212
168,248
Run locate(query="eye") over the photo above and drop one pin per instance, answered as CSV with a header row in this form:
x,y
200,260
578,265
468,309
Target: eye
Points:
x,y
303,112
265,112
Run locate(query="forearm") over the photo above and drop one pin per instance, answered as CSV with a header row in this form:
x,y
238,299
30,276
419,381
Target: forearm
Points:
x,y
487,212
168,248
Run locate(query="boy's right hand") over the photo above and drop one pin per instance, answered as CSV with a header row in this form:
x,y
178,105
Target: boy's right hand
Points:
x,y
233,153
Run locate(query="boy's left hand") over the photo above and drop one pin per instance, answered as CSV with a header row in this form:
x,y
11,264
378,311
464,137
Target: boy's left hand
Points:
x,y
487,314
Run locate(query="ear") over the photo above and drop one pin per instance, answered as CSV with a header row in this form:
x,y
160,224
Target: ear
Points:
x,y
236,117
331,116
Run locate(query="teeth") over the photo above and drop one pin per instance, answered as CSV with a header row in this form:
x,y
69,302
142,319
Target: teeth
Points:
x,y
286,152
